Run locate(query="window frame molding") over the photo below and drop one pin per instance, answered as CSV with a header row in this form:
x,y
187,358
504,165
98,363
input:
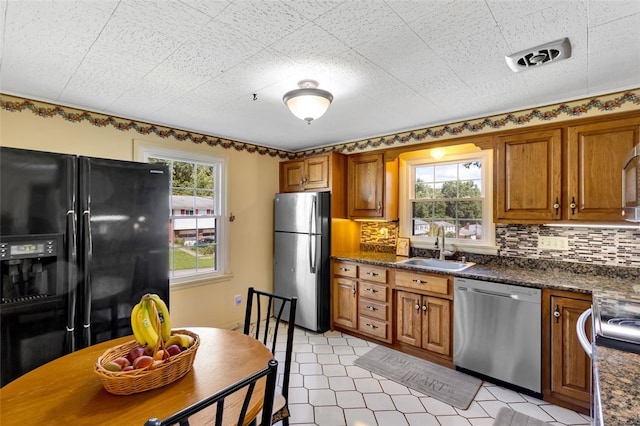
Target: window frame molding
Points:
x,y
141,152
486,245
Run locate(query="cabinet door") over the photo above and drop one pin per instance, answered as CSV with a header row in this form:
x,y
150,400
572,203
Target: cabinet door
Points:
x,y
570,365
366,185
528,176
595,157
317,173
292,176
436,325
345,302
409,318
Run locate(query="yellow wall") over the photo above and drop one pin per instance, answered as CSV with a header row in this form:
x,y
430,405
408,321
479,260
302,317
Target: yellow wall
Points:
x,y
252,183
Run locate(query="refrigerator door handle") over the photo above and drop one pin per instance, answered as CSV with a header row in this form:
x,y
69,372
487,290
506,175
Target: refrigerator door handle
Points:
x,y
312,228
72,250
88,248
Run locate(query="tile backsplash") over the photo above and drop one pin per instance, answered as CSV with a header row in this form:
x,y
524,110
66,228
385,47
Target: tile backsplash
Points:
x,y
601,246
597,246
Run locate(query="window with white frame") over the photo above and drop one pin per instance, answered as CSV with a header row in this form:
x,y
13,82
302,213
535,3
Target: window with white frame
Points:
x,y
196,247
453,193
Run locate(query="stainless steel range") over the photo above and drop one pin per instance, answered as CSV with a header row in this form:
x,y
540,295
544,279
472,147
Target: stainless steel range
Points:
x,y
617,324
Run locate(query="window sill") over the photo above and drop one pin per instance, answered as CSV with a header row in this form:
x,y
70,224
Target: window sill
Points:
x,y
183,283
467,248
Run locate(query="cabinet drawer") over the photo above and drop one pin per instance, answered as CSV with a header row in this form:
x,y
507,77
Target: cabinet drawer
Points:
x,y
345,269
374,309
379,329
373,273
373,291
433,284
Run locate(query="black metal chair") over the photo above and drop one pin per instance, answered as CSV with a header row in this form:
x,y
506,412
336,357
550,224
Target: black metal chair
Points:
x,y
270,371
266,329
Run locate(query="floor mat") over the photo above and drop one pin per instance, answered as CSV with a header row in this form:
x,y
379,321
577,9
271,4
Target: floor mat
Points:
x,y
444,384
508,417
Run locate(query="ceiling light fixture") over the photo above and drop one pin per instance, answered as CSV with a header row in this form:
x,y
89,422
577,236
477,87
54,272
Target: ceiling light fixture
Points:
x,y
308,102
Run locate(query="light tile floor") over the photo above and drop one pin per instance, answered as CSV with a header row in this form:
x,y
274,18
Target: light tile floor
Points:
x,y
326,389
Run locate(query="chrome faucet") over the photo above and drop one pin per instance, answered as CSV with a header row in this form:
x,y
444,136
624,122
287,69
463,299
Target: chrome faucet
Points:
x,y
443,252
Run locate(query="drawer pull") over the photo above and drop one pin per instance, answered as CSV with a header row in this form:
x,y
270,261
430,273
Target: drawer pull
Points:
x,y
372,308
417,307
418,281
371,290
424,309
344,269
373,274
372,326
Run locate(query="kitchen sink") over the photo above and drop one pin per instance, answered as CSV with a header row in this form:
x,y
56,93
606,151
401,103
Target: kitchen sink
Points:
x,y
436,264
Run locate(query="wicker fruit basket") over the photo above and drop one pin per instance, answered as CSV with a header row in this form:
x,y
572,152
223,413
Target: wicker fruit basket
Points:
x,y
140,380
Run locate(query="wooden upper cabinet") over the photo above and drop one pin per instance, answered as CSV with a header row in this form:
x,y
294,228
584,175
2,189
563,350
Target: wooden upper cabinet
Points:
x,y
326,172
527,184
292,176
372,190
569,174
595,157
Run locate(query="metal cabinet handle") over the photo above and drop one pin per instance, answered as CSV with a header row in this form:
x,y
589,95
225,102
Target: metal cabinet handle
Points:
x,y
556,206
353,290
418,281
372,308
380,206
371,326
371,290
417,306
344,269
556,314
573,205
424,309
373,274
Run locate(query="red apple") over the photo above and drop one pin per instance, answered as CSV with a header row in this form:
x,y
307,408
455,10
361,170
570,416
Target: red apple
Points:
x,y
135,353
128,368
173,350
142,361
122,361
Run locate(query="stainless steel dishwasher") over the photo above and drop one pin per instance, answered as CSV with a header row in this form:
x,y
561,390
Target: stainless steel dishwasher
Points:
x,y
497,331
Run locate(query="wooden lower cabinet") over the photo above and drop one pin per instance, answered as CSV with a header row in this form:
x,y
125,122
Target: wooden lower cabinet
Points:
x,y
424,322
566,372
373,302
345,302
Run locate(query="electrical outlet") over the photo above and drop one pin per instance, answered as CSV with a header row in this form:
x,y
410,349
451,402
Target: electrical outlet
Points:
x,y
238,299
553,243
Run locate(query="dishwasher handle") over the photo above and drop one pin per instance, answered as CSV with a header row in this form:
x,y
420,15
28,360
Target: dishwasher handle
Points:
x,y
582,334
487,292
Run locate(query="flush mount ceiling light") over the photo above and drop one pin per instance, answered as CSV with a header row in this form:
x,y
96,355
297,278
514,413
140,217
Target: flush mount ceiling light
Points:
x,y
540,55
308,102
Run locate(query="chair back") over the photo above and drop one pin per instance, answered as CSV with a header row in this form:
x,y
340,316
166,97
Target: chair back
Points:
x,y
270,310
270,371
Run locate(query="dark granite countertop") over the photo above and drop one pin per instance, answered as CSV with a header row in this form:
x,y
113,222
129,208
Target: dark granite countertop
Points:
x,y
619,372
619,379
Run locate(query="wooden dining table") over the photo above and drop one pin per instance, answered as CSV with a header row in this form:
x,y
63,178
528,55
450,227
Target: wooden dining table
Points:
x,y
68,392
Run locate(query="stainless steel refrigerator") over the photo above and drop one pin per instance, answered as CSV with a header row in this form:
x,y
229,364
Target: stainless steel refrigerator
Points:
x,y
81,240
302,246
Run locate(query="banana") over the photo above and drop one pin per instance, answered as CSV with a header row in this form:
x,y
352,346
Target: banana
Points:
x,y
183,340
146,324
165,320
135,324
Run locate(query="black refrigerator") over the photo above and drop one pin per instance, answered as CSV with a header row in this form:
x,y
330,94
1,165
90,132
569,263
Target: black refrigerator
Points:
x,y
81,240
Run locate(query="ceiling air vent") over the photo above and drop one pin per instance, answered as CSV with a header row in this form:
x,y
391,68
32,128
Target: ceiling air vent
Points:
x,y
540,55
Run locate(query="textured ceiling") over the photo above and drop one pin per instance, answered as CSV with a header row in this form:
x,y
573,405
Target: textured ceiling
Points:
x,y
391,65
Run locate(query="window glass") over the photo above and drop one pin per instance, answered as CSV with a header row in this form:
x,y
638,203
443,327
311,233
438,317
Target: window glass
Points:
x,y
448,195
195,216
